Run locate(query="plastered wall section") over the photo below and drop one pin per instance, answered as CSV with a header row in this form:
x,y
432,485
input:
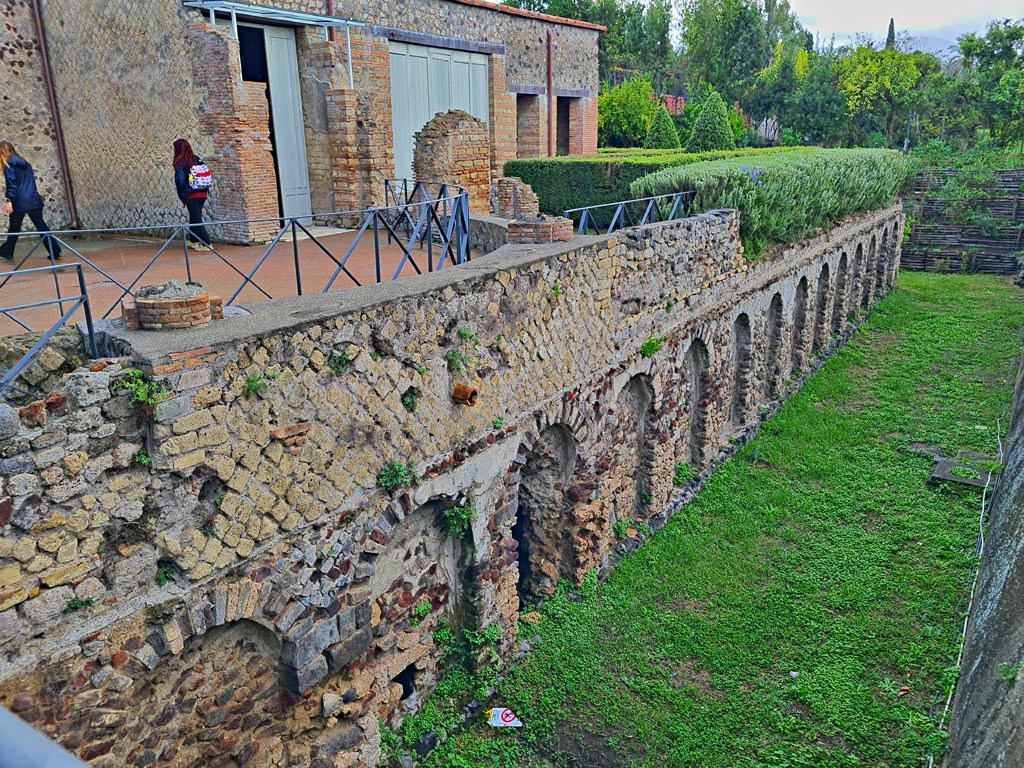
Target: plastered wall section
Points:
x,y
24,108
219,575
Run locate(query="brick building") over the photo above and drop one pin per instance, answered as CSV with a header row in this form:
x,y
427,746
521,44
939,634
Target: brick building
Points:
x,y
304,107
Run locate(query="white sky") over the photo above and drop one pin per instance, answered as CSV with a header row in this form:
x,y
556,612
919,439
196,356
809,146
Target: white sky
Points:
x,y
939,18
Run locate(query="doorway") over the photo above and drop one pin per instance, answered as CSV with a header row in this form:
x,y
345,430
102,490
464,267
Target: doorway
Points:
x,y
268,55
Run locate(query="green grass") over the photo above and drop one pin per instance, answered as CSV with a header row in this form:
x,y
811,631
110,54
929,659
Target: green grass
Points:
x,y
820,550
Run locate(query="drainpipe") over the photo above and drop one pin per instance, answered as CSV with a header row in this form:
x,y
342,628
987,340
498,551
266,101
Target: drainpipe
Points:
x,y
551,102
58,130
330,12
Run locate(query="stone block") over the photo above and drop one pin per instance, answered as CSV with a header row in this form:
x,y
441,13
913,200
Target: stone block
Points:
x,y
351,648
300,680
49,605
301,651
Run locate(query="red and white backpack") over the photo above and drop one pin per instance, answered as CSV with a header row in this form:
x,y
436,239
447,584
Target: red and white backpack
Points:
x,y
200,176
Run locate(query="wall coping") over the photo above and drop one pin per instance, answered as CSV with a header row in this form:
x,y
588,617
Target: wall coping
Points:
x,y
501,8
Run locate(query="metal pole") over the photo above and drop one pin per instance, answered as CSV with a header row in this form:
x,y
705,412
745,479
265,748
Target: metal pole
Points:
x,y
188,260
88,313
348,45
234,24
295,256
376,244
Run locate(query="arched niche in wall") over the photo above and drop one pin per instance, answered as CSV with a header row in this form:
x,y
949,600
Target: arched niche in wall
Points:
x,y
542,527
869,275
631,449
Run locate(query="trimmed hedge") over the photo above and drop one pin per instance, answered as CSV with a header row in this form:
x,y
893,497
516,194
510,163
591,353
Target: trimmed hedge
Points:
x,y
711,130
786,197
573,181
662,134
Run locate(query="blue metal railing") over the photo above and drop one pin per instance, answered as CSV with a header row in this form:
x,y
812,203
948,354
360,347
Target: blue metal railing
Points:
x,y
420,219
609,217
72,303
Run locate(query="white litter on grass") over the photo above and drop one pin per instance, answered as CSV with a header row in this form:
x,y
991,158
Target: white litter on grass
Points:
x,y
503,717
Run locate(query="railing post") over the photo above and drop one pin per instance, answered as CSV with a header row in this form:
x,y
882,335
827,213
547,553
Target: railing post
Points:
x,y
188,260
376,243
87,307
295,256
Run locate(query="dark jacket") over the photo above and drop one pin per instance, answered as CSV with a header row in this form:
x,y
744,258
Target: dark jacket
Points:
x,y
21,185
185,192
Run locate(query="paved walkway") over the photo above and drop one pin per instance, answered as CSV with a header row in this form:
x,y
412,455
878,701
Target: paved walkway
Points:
x,y
123,259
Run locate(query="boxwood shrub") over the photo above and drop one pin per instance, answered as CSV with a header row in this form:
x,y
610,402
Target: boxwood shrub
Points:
x,y
786,197
573,181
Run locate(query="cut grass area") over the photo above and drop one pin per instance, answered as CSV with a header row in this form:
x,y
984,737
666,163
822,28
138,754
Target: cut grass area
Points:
x,y
805,609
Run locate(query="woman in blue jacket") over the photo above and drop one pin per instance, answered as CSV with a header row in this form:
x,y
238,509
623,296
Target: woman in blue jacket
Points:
x,y
192,195
22,199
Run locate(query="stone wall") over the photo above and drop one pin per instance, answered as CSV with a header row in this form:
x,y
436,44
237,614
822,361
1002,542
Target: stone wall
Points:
x,y
219,575
985,730
25,113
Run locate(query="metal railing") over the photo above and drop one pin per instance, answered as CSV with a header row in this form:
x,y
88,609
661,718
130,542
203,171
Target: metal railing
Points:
x,y
610,217
73,304
423,226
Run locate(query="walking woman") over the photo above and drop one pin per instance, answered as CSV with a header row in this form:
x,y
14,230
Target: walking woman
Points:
x,y
22,199
192,180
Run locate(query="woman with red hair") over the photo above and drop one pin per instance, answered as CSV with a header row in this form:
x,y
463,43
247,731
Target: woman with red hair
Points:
x,y
192,180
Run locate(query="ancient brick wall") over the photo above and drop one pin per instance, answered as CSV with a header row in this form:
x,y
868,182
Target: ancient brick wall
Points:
x,y
453,149
25,113
219,575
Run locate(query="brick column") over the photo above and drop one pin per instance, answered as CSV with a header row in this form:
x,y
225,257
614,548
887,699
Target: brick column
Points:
x,y
237,122
583,126
531,126
502,117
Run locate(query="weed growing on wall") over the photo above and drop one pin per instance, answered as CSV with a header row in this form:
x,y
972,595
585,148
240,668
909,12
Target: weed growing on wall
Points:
x,y
397,475
410,399
498,423
256,384
338,362
77,604
164,575
458,520
144,392
651,346
143,458
684,474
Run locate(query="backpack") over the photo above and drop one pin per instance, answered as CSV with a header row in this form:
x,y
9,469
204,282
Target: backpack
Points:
x,y
200,176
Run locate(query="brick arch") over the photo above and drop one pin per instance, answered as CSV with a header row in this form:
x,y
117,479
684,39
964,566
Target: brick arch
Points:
x,y
801,310
631,445
870,268
698,363
882,264
821,302
842,290
741,357
774,327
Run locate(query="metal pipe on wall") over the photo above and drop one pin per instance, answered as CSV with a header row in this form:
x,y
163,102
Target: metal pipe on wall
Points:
x,y
330,12
58,129
551,101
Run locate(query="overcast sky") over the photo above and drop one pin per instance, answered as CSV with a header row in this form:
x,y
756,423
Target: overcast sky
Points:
x,y
933,18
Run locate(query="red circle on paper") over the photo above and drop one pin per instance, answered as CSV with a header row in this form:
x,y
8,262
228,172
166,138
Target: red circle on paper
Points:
x,y
508,716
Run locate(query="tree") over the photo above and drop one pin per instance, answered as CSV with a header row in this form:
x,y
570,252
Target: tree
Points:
x,y
662,134
624,113
890,38
994,62
877,84
817,108
711,130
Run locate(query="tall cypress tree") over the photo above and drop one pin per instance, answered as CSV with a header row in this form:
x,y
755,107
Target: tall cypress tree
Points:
x,y
890,39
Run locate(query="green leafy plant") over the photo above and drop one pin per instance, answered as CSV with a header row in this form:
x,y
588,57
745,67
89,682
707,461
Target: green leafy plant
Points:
x,y
76,604
498,423
397,475
423,609
458,520
651,346
1009,672
458,362
410,399
339,362
557,290
619,528
143,391
466,333
711,130
256,383
670,305
218,499
142,457
966,473
684,474
646,498
164,575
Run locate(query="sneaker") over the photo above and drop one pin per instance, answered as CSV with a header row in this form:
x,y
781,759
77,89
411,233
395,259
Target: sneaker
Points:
x,y
7,256
200,247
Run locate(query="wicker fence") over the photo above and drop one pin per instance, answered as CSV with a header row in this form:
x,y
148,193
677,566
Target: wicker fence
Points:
x,y
980,232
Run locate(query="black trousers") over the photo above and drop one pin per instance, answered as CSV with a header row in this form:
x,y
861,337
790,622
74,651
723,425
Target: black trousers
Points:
x,y
197,232
36,216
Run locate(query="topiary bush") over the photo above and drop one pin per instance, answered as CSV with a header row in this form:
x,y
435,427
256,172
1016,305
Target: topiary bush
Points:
x,y
663,133
712,129
784,197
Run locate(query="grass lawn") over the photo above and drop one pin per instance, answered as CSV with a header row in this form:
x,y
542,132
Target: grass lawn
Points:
x,y
805,609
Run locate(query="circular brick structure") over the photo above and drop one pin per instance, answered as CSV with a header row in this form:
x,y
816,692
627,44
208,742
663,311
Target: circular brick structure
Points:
x,y
171,306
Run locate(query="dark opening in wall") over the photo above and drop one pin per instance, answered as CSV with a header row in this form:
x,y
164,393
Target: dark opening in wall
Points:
x,y
883,262
407,679
564,121
859,278
869,275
